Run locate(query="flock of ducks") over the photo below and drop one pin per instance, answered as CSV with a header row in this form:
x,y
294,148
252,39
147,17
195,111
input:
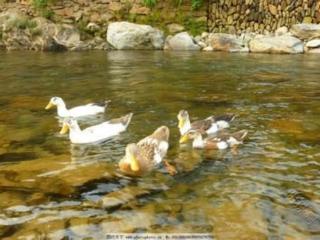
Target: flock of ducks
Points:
x,y
148,153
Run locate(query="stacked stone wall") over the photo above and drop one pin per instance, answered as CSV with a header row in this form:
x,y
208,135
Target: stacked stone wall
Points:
x,y
260,16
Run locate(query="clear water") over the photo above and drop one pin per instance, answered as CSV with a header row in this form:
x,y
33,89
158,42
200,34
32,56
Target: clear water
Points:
x,y
268,189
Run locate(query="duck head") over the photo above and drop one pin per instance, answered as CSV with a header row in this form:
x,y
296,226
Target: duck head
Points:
x,y
183,117
190,135
69,124
55,101
161,133
130,160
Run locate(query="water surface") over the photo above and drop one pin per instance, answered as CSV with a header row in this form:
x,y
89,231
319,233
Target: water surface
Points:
x,y
268,189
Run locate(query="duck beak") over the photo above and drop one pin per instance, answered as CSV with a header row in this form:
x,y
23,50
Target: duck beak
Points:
x,y
50,105
184,138
134,164
64,129
181,123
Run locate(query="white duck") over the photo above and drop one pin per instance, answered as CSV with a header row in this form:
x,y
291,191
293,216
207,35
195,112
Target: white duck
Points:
x,y
97,133
80,111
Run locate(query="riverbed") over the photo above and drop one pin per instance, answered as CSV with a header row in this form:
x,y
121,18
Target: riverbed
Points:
x,y
268,189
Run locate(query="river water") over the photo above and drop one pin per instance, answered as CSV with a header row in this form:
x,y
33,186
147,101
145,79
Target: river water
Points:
x,y
268,189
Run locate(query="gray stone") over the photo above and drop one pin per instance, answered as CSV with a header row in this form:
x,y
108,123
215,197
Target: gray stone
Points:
x,y
125,35
280,44
175,28
315,43
181,42
227,43
281,31
305,31
68,36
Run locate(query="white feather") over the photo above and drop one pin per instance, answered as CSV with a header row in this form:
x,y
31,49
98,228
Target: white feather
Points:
x,y
222,124
222,145
213,129
95,134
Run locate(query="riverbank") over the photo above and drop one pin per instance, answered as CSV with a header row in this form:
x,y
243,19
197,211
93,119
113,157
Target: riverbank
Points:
x,y
19,31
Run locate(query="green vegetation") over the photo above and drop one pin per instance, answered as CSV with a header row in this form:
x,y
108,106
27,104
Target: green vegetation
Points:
x,y
25,23
195,27
42,6
194,3
21,23
150,3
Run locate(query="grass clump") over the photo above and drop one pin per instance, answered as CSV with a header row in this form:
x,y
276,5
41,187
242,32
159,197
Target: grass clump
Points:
x,y
42,6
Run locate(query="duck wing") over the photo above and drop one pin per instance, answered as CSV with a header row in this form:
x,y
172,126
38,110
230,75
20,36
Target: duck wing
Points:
x,y
225,118
202,125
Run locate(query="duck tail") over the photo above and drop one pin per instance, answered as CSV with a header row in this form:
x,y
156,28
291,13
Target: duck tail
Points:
x,y
106,103
125,120
241,134
102,103
226,118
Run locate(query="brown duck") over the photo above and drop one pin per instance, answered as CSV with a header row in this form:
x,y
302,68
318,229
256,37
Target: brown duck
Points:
x,y
221,141
209,125
147,154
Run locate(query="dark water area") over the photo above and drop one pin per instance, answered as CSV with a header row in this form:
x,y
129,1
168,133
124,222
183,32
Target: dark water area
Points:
x,y
268,189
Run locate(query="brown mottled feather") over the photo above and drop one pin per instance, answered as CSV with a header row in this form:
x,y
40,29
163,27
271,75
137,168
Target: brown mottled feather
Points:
x,y
202,125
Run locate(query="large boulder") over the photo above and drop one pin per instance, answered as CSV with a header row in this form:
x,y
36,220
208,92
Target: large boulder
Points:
x,y
227,43
181,42
125,35
305,31
279,44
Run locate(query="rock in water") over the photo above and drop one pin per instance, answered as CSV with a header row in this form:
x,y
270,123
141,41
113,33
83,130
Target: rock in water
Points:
x,y
280,44
315,43
227,43
181,41
306,30
125,35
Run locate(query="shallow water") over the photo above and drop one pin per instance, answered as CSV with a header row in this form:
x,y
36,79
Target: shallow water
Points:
x,y
268,189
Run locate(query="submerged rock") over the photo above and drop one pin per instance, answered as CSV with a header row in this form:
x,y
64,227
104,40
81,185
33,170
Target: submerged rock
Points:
x,y
280,44
125,35
181,41
305,31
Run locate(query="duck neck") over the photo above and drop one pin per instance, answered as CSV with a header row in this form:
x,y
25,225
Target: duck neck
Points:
x,y
186,126
198,142
74,129
62,110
